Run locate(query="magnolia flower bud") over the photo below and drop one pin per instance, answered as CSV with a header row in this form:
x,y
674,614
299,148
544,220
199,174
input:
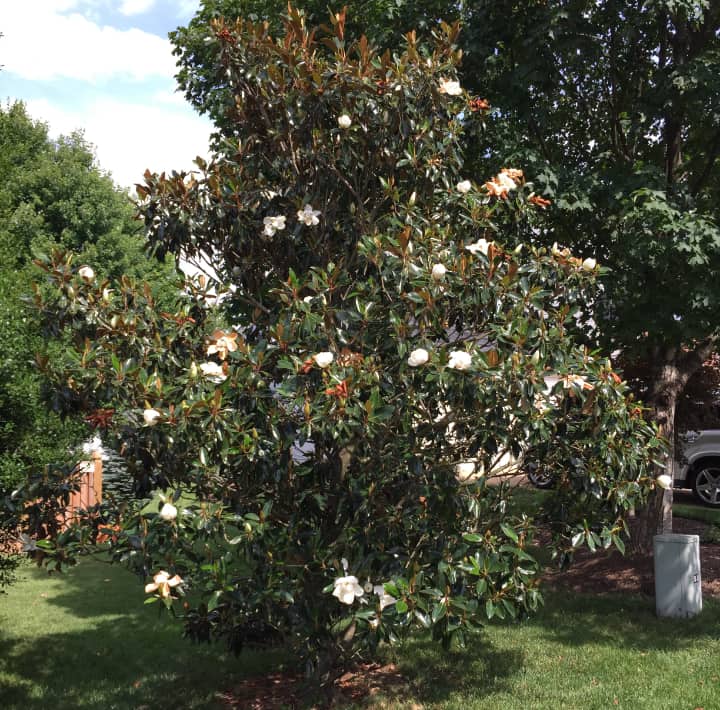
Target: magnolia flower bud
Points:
x,y
323,359
344,121
589,264
450,87
193,370
151,416
168,512
106,295
418,357
86,273
438,272
459,360
464,186
213,371
413,198
664,481
466,472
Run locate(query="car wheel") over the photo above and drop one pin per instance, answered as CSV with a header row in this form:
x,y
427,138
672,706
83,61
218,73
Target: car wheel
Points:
x,y
706,483
539,476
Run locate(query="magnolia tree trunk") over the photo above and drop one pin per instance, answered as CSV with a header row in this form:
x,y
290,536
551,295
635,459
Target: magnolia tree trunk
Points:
x,y
671,377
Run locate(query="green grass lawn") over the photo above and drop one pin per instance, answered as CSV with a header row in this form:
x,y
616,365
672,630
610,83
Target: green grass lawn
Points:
x,y
696,511
85,640
579,653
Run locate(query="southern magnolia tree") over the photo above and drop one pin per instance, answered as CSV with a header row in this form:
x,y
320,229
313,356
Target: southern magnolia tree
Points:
x,y
334,401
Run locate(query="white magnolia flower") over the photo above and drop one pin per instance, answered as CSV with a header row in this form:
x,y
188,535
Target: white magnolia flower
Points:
x,y
576,381
94,446
450,87
222,343
464,471
505,181
438,272
273,224
344,121
589,264
385,598
323,359
418,357
308,216
347,588
481,245
162,583
464,187
168,512
213,372
86,272
460,360
664,481
151,416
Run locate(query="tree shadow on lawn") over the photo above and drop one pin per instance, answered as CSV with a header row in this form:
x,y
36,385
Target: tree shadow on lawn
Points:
x,y
622,622
101,668
481,670
85,640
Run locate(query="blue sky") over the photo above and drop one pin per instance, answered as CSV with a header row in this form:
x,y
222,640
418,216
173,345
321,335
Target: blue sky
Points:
x,y
104,66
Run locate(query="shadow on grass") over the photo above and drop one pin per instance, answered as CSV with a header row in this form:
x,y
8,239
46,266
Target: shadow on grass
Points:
x,y
101,669
85,640
481,671
621,622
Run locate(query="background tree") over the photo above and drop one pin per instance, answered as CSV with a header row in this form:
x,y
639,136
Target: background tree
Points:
x,y
53,195
334,404
616,105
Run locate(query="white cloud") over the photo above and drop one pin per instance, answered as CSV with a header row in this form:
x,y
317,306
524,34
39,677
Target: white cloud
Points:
x,y
187,8
41,43
130,137
136,7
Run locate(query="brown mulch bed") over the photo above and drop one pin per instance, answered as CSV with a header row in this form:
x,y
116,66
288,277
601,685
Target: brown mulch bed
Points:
x,y
284,691
600,573
607,572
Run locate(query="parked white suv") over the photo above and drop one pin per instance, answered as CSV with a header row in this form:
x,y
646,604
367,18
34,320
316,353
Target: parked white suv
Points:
x,y
697,465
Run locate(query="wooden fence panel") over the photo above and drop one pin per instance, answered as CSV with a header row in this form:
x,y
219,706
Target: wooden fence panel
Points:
x,y
90,492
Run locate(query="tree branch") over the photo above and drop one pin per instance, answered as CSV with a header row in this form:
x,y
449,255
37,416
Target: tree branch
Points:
x,y
713,153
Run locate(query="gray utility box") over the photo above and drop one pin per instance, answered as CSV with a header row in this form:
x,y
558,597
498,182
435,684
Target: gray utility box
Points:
x,y
678,591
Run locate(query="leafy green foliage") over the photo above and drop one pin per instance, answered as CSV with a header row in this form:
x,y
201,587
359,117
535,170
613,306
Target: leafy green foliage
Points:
x,y
52,195
385,23
619,110
367,357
